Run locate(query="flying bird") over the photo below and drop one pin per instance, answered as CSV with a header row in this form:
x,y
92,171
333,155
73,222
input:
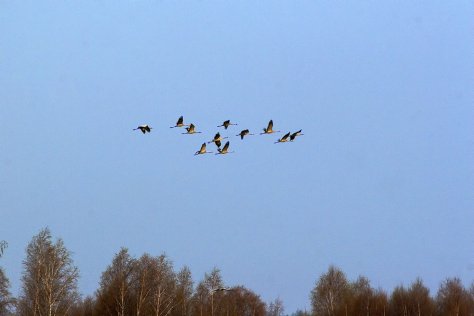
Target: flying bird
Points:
x,y
220,289
179,123
143,128
269,129
217,138
244,133
191,129
284,139
294,135
224,150
202,150
227,124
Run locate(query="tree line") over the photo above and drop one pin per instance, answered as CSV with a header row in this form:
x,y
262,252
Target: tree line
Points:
x,y
149,285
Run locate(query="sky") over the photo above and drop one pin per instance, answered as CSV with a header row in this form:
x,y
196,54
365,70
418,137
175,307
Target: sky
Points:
x,y
381,184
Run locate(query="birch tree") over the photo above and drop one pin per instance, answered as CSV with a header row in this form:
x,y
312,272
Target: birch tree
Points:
x,y
184,292
49,281
114,294
329,295
6,300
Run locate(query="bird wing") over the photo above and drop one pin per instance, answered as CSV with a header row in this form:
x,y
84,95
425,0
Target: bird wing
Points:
x,y
180,120
203,147
285,136
218,143
217,136
226,146
270,125
147,128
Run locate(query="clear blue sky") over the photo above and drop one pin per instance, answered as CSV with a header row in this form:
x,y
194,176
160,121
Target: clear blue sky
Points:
x,y
381,184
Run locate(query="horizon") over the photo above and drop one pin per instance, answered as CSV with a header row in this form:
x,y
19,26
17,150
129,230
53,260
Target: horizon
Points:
x,y
381,184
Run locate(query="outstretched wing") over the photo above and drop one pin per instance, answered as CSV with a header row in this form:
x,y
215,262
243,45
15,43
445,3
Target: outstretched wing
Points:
x,y
285,136
218,143
180,120
270,125
226,146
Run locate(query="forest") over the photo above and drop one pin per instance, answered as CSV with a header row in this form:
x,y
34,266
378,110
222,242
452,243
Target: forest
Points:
x,y
149,285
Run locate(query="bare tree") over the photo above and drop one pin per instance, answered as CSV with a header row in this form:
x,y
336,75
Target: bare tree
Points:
x,y
276,308
380,303
419,301
164,286
49,281
204,298
239,301
184,292
142,282
453,299
399,301
360,297
6,300
328,297
113,296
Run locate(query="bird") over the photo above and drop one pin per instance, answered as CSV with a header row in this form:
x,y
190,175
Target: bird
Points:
x,y
143,128
269,129
202,150
284,139
224,150
179,123
191,129
294,135
244,133
220,289
217,138
227,124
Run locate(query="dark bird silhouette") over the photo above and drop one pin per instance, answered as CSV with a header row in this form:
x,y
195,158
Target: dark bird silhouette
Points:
x,y
202,150
143,128
244,133
216,138
294,135
218,143
191,129
227,124
179,123
269,129
224,150
284,139
221,289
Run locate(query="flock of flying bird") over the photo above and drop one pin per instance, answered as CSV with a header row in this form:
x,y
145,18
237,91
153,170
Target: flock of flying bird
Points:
x,y
191,129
